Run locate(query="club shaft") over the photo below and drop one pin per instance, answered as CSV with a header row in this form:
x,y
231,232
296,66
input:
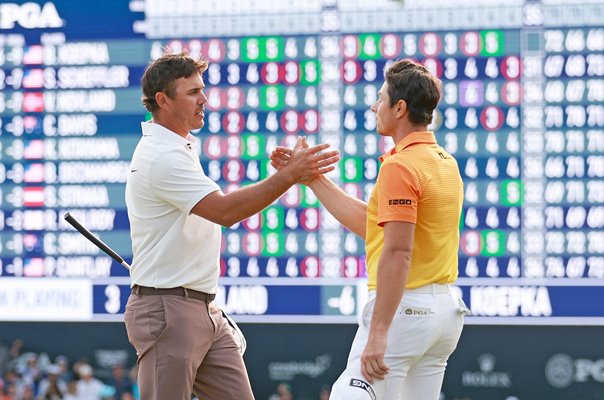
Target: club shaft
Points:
x,y
97,242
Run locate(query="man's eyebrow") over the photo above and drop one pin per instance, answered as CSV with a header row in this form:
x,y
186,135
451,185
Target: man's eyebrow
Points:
x,y
196,88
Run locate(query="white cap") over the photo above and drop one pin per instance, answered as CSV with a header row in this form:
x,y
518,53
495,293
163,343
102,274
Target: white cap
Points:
x,y
85,370
53,369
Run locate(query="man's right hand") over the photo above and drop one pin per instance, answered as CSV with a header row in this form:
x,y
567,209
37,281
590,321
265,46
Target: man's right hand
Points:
x,y
304,163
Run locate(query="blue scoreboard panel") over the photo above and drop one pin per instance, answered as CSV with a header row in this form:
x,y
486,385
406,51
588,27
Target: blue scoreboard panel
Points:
x,y
522,111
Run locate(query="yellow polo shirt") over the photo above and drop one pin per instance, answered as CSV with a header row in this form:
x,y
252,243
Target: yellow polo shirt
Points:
x,y
418,182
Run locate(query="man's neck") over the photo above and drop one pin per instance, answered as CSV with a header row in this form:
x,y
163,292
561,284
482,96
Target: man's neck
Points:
x,y
407,129
170,125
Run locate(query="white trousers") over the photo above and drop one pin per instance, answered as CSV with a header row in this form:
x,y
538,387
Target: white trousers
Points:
x,y
424,332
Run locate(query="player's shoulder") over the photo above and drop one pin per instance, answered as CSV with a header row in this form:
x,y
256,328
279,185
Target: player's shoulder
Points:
x,y
424,154
398,163
409,157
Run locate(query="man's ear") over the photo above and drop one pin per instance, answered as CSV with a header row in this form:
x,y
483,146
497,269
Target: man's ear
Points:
x,y
162,99
401,108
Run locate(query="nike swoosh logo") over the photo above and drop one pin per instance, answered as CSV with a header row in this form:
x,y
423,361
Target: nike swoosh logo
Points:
x,y
133,170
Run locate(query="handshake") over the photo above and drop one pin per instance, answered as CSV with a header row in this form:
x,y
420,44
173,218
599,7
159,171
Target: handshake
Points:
x,y
303,164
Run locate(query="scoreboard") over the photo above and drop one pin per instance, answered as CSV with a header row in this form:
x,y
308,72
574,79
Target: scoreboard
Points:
x,y
522,111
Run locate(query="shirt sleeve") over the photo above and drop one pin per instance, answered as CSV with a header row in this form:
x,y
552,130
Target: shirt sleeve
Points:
x,y
177,178
398,194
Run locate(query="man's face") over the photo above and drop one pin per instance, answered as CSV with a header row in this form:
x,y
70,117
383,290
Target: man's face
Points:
x,y
384,113
187,103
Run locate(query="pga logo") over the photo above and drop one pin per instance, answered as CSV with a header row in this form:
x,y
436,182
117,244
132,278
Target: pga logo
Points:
x,y
29,16
561,370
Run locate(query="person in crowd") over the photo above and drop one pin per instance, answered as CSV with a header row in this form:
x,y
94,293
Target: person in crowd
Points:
x,y
29,370
282,392
11,392
126,396
324,392
119,380
4,357
16,349
133,374
3,395
14,384
62,362
89,388
28,393
72,391
52,387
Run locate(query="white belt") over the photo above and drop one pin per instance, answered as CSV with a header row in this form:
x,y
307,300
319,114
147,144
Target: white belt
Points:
x,y
432,288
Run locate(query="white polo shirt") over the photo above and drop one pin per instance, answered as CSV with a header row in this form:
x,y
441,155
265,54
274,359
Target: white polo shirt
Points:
x,y
171,247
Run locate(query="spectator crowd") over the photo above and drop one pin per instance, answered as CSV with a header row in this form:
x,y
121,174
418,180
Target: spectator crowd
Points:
x,y
26,375
31,376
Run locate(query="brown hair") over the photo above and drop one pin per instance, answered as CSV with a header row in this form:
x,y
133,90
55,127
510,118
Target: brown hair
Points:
x,y
412,82
159,76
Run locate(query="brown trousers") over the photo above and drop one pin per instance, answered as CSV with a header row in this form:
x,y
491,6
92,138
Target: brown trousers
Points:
x,y
184,346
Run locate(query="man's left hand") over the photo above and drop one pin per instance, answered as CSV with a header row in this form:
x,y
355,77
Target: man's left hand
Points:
x,y
372,360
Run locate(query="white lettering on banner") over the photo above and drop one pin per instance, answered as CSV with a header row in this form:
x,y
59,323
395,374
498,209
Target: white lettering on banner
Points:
x,y
88,148
561,370
74,243
243,299
45,299
83,196
93,219
93,172
80,267
81,101
486,377
509,301
29,16
78,124
114,76
287,370
83,53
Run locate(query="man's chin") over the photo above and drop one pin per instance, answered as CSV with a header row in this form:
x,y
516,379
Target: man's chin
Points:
x,y
196,127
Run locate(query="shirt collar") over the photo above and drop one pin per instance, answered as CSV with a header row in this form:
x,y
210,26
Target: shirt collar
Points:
x,y
152,129
410,139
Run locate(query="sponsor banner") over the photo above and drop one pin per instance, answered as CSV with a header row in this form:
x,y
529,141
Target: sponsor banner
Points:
x,y
527,363
337,301
306,357
310,303
268,300
35,299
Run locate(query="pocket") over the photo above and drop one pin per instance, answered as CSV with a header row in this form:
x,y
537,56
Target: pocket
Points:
x,y
236,333
461,311
145,319
416,305
462,308
157,318
128,320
